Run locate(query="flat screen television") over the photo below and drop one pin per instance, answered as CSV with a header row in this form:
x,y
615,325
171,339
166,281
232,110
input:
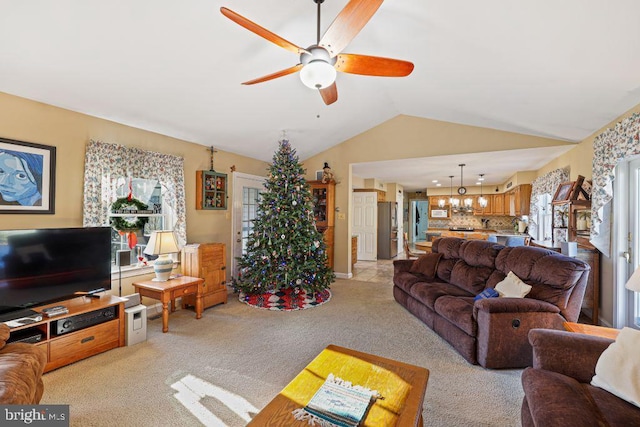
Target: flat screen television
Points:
x,y
42,266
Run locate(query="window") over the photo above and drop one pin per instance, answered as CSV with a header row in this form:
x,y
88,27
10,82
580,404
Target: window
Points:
x,y
250,202
149,192
544,218
156,179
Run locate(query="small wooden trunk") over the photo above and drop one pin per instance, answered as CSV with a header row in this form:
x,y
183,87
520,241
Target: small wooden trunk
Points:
x,y
208,261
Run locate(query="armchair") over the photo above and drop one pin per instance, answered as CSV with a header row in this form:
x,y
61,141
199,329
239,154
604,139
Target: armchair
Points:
x,y
21,367
557,388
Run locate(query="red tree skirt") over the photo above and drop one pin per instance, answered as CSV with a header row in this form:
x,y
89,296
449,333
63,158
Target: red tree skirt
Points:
x,y
286,300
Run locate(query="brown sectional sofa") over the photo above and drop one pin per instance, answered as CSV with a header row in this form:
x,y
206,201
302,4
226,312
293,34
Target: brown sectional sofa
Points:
x,y
557,388
491,332
21,367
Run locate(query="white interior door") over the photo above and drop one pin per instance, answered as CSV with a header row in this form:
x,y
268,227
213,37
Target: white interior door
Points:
x,y
365,224
246,194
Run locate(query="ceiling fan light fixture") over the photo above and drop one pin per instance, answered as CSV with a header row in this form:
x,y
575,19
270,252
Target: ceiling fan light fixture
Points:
x,y
318,74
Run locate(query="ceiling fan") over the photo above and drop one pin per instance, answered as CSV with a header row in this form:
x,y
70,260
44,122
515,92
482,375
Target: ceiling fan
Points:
x,y
320,62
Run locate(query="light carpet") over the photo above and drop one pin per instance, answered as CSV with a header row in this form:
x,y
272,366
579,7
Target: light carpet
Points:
x,y
242,357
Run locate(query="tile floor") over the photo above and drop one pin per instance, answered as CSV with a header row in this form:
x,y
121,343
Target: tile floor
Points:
x,y
380,271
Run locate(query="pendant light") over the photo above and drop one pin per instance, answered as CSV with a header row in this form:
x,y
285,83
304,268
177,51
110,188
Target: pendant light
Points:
x,y
454,202
482,201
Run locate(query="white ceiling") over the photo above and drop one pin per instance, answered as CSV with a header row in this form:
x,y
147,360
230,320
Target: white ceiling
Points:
x,y
496,166
559,69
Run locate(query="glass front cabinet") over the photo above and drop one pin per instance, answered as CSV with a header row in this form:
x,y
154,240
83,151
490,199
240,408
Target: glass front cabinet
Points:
x,y
211,190
323,196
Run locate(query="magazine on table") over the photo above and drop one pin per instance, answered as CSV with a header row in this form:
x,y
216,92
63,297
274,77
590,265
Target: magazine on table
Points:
x,y
337,403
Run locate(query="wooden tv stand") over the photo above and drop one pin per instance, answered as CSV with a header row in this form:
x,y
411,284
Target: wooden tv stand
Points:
x,y
70,347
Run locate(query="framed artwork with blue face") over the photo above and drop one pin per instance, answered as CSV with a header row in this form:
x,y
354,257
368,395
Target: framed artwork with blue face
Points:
x,y
27,177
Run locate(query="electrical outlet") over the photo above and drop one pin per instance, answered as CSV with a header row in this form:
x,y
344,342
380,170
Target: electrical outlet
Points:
x,y
341,215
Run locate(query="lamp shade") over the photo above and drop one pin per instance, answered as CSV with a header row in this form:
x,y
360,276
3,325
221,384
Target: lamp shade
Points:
x,y
633,284
318,74
162,242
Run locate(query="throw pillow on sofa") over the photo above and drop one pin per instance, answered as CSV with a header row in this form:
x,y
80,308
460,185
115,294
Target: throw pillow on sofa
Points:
x,y
512,287
426,265
618,367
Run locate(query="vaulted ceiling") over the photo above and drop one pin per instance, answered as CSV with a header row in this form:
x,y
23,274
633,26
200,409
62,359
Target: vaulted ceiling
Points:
x,y
558,69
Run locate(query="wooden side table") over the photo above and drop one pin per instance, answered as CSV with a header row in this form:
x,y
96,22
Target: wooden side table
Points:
x,y
169,291
598,331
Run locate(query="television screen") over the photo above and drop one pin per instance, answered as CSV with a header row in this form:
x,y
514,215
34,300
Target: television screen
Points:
x,y
47,265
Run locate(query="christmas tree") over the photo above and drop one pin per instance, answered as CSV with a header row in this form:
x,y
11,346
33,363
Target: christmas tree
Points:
x,y
285,251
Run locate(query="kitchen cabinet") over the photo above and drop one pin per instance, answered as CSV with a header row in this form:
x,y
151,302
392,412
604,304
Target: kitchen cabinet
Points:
x,y
519,200
497,204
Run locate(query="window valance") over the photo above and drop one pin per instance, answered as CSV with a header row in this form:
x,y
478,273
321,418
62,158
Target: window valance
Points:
x,y
610,147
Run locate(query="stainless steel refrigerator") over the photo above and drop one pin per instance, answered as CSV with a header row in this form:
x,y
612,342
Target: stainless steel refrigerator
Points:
x,y
387,230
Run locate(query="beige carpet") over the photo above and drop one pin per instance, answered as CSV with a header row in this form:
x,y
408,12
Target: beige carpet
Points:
x,y
242,357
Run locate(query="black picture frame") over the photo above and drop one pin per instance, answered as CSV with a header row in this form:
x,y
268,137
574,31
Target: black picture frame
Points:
x,y
31,164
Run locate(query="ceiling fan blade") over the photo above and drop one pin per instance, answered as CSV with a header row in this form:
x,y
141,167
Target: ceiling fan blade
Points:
x,y
348,24
275,75
329,94
262,32
372,65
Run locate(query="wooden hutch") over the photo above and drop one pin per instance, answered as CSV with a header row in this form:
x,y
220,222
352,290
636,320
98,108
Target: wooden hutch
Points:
x,y
323,198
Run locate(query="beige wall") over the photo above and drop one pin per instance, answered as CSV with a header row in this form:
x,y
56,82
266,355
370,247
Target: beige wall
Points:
x,y
30,121
406,137
399,138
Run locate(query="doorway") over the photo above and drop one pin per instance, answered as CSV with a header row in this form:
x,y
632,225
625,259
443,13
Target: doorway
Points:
x,y
246,196
418,220
365,224
627,205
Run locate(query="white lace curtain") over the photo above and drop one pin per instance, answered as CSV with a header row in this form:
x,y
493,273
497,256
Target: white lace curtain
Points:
x,y
609,148
105,163
545,184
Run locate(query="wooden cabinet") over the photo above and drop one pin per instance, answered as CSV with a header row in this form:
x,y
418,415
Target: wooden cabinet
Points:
x,y
573,216
208,261
483,211
519,200
323,198
497,204
211,190
64,349
590,255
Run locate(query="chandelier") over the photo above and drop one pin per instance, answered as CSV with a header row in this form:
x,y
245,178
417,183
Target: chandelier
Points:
x,y
466,204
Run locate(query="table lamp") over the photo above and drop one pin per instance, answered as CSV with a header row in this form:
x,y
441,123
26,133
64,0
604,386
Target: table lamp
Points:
x,y
162,243
633,284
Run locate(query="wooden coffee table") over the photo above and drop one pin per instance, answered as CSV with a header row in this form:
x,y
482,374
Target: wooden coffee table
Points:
x,y
402,385
169,291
